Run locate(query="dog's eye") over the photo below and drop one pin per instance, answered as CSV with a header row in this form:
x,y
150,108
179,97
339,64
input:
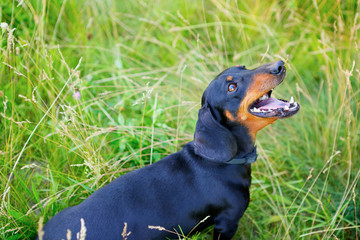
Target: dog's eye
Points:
x,y
232,87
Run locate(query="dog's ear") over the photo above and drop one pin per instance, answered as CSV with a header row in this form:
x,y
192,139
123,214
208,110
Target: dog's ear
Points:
x,y
212,140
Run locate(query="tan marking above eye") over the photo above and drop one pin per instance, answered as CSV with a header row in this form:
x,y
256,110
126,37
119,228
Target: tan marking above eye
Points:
x,y
229,78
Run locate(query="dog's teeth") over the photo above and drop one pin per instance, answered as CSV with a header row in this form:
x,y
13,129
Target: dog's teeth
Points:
x,y
291,99
264,97
286,108
255,109
293,105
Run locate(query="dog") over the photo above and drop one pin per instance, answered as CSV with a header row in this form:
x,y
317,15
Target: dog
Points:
x,y
206,183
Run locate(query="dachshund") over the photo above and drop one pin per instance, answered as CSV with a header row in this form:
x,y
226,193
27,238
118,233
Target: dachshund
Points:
x,y
206,183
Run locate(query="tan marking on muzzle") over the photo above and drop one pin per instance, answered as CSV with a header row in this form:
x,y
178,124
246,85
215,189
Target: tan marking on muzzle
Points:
x,y
261,84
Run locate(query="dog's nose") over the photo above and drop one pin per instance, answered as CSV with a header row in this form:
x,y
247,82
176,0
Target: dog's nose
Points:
x,y
277,68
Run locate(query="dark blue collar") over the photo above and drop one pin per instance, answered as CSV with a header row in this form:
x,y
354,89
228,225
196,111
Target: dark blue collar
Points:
x,y
246,159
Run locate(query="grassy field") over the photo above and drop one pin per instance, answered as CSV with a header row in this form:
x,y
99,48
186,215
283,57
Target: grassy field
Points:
x,y
90,90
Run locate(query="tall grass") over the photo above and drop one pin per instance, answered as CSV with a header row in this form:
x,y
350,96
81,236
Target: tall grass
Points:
x,y
93,89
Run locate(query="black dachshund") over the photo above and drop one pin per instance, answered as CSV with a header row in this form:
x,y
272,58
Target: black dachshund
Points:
x,y
208,179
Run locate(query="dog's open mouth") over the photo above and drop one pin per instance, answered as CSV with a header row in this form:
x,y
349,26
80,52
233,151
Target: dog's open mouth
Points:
x,y
266,106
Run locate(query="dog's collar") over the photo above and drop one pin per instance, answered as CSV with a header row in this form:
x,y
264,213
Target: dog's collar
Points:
x,y
246,159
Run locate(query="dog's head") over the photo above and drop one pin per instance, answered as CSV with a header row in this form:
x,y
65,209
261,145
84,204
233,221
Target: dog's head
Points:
x,y
235,106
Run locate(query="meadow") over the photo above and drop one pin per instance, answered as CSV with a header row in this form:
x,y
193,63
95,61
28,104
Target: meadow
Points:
x,y
90,90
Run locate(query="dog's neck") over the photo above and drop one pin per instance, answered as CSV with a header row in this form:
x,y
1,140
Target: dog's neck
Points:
x,y
246,159
245,144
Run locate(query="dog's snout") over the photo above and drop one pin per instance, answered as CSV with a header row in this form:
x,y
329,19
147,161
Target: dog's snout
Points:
x,y
277,68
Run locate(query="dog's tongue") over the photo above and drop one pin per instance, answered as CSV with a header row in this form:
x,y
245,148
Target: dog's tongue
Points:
x,y
271,103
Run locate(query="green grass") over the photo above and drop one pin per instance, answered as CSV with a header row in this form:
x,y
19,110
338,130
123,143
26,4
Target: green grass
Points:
x,y
141,67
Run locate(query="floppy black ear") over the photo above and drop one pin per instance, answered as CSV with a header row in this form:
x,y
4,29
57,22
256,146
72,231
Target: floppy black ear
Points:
x,y
212,140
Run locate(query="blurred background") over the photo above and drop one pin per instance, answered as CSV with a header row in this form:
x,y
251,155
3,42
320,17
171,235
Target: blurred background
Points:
x,y
90,90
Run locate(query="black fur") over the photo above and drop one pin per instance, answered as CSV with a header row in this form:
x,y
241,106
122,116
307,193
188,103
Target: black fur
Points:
x,y
183,188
